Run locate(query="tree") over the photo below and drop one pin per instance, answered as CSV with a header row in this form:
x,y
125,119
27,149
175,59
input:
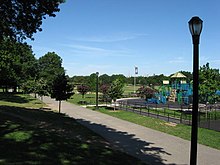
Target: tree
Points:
x,y
17,64
41,88
91,82
189,76
50,65
104,90
120,77
61,89
29,86
116,90
146,92
82,89
104,79
20,19
208,84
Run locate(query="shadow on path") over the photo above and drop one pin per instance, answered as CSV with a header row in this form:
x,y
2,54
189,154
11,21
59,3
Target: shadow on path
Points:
x,y
128,143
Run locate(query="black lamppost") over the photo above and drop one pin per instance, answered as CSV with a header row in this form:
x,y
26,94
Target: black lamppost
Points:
x,y
97,87
195,26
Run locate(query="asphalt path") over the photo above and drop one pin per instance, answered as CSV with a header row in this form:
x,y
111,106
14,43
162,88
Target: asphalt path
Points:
x,y
152,147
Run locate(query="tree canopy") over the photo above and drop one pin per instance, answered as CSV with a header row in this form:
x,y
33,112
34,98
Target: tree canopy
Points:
x,y
50,65
20,19
61,88
18,63
209,83
116,90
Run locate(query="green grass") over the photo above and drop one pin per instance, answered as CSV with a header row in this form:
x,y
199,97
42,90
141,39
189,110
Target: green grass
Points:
x,y
89,98
19,100
32,136
128,89
205,136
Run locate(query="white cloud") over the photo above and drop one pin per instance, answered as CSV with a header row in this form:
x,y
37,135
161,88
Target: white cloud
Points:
x,y
177,60
96,51
111,37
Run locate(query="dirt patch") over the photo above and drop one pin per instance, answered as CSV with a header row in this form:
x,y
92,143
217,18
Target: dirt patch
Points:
x,y
171,124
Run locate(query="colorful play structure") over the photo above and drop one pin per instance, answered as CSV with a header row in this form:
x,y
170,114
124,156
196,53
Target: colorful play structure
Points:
x,y
175,90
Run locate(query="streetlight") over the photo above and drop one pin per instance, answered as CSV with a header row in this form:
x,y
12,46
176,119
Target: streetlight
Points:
x,y
97,87
135,73
195,26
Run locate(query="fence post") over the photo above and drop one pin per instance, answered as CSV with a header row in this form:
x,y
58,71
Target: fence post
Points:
x,y
189,118
209,121
181,115
148,109
215,114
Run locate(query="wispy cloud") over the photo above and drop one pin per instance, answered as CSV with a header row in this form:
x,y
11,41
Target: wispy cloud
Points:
x,y
177,60
111,38
96,51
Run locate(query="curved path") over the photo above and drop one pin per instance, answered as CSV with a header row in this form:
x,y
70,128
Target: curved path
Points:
x,y
153,147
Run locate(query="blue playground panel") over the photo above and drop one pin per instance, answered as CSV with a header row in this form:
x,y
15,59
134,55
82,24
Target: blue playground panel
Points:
x,y
185,90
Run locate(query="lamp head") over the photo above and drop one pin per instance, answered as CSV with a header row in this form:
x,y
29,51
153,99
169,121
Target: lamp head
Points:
x,y
195,26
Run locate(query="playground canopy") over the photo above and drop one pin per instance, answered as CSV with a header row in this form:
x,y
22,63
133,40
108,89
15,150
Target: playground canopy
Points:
x,y
178,75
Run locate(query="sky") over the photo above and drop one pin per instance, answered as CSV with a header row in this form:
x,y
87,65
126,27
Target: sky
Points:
x,y
114,36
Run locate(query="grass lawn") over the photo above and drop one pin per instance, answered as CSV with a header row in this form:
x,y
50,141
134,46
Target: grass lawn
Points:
x,y
32,136
205,136
90,98
128,89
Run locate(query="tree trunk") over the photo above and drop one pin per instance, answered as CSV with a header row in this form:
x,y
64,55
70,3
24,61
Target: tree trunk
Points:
x,y
15,89
59,105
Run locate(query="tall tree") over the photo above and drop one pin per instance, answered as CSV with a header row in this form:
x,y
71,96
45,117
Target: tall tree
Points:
x,y
208,83
18,63
116,90
50,66
20,19
91,82
104,79
61,89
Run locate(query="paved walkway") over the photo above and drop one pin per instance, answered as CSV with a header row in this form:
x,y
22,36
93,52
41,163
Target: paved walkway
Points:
x,y
153,147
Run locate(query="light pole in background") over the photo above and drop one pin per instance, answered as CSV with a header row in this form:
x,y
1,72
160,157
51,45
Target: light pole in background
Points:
x,y
97,89
195,26
135,73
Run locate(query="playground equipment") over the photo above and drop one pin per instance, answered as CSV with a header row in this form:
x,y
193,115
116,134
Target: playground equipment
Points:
x,y
176,90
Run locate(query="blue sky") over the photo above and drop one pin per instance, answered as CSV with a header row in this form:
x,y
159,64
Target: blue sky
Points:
x,y
114,36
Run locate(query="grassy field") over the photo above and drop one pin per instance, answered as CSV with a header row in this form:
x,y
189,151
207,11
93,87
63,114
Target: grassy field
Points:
x,y
128,89
206,137
29,135
90,98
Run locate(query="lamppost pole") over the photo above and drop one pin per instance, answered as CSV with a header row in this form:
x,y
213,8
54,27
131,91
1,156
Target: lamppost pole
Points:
x,y
195,25
97,87
135,73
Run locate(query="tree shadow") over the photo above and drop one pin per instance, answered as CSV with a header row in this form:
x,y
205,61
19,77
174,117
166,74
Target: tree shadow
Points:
x,y
32,136
14,98
129,144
